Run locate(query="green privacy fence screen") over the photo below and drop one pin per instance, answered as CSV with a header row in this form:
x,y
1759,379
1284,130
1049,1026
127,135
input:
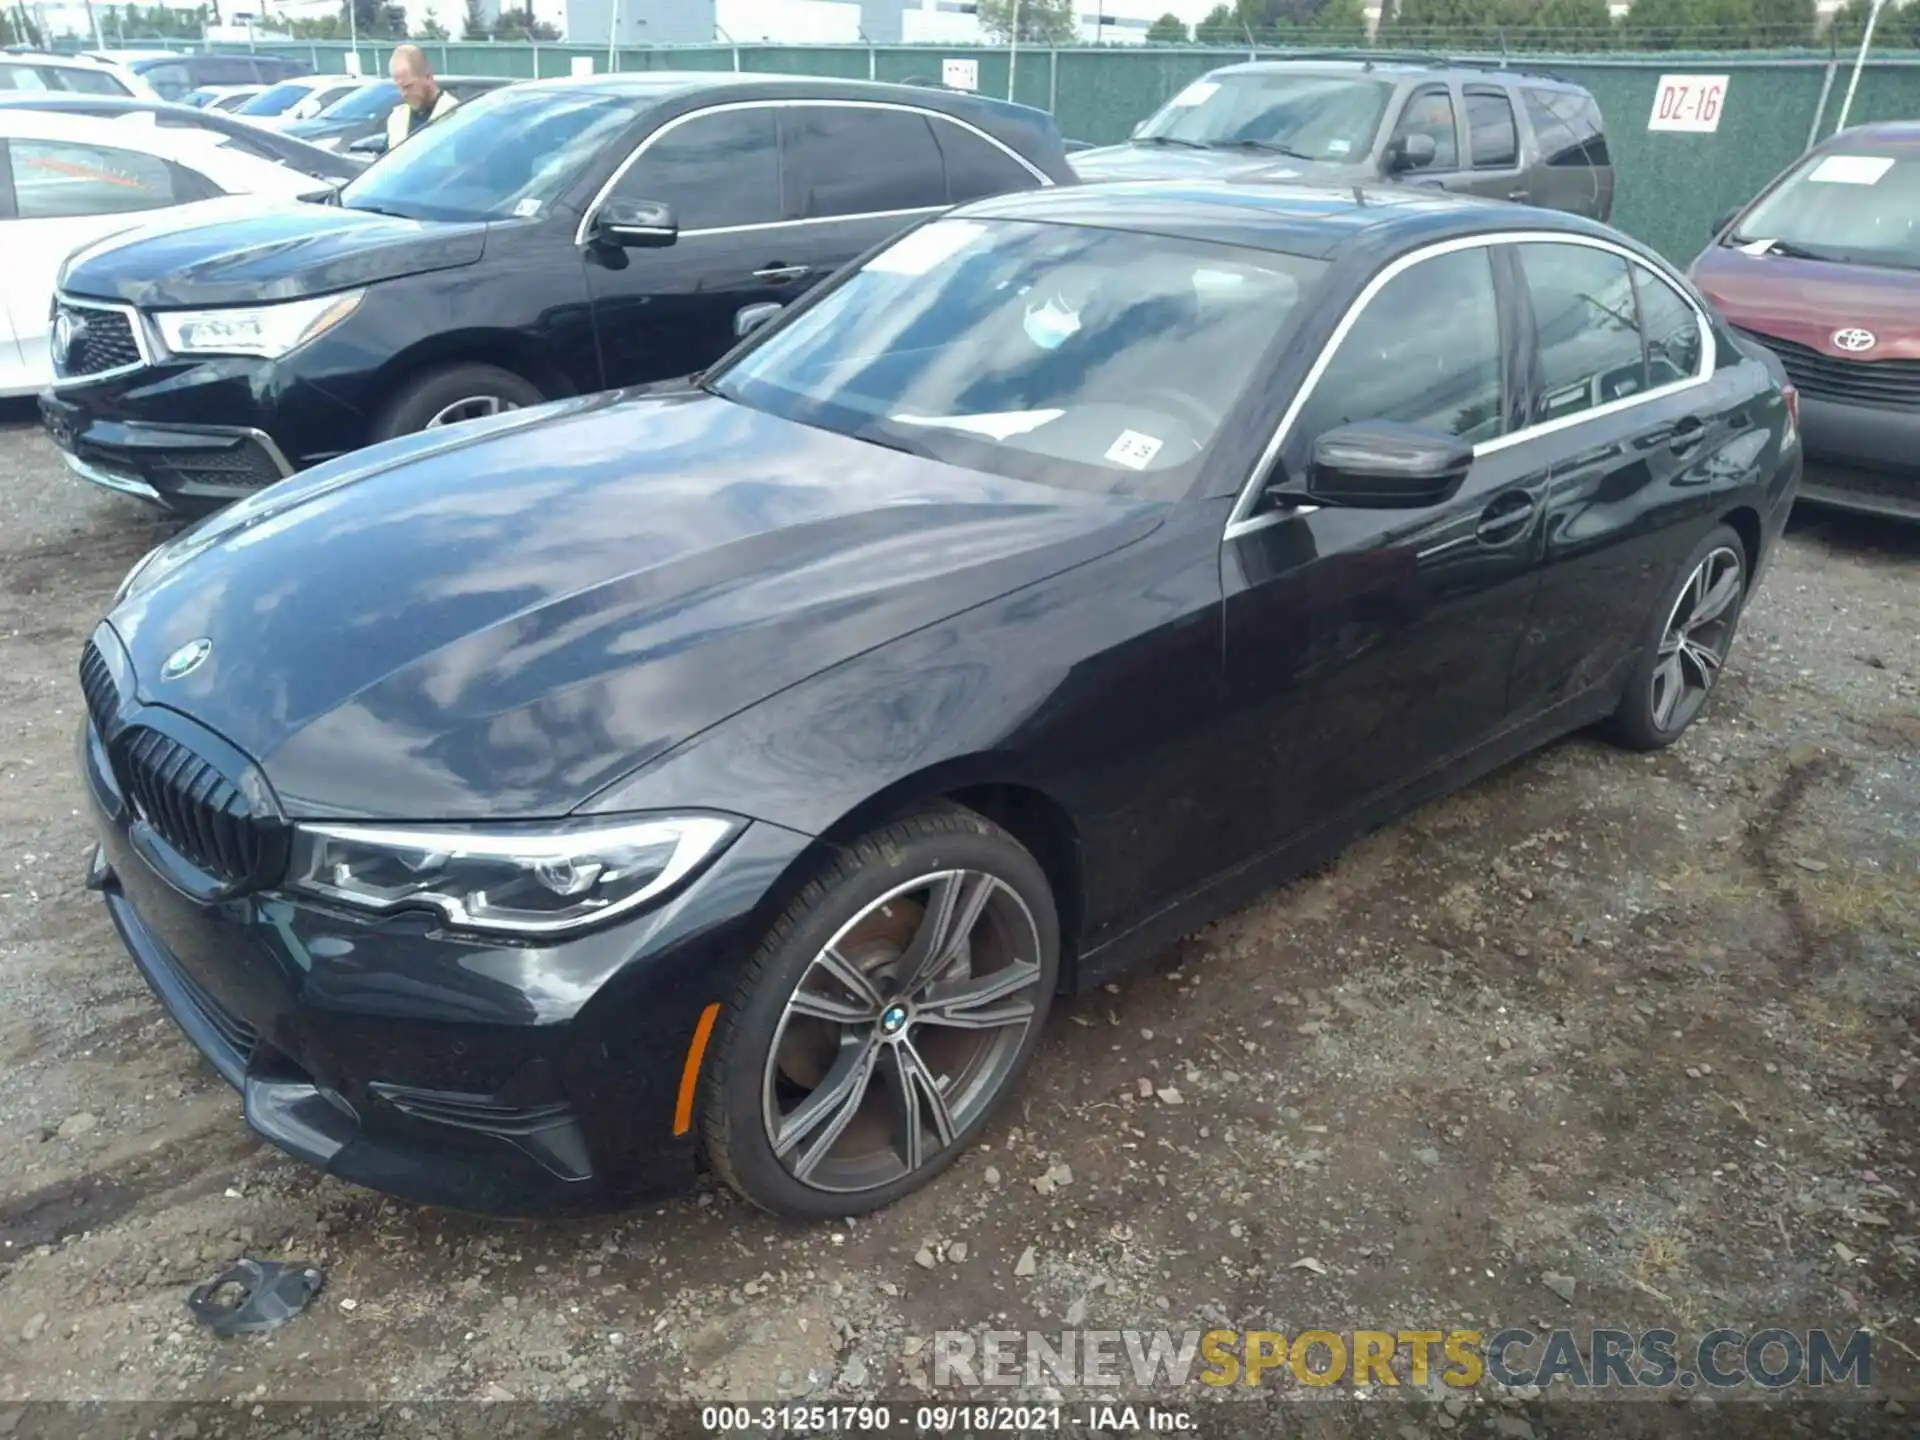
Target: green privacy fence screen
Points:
x,y
1671,185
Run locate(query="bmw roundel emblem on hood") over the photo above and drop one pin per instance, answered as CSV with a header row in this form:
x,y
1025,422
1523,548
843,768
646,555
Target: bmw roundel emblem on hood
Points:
x,y
187,659
1853,339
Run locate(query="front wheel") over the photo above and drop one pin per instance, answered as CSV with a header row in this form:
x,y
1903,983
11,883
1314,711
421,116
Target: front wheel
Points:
x,y
884,1019
1682,658
452,394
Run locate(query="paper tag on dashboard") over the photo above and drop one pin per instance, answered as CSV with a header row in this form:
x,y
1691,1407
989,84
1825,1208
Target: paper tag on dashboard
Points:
x,y
920,251
1851,169
1195,94
1133,450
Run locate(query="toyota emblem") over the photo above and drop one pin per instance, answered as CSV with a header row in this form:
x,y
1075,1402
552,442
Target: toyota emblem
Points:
x,y
1853,340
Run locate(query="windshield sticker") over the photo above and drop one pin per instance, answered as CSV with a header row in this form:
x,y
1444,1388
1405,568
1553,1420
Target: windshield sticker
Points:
x,y
926,247
1000,425
1756,247
1339,145
1195,94
1133,450
1851,169
526,209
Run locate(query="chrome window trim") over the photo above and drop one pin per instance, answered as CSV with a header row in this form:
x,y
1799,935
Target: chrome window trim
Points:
x,y
134,322
620,173
1242,519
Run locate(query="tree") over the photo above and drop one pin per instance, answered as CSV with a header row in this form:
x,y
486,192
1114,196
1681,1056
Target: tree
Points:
x,y
1786,24
474,26
430,29
1042,22
1898,27
1218,28
520,25
1169,29
1466,24
1565,25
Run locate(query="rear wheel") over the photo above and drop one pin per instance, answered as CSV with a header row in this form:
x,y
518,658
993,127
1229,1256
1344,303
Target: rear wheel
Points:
x,y
885,1018
452,394
1687,646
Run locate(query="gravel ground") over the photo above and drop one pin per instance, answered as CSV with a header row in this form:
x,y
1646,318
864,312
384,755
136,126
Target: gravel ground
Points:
x,y
1607,1039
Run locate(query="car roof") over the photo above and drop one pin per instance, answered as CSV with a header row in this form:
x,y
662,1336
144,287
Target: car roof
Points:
x,y
1315,222
1401,67
38,57
728,84
1885,134
35,122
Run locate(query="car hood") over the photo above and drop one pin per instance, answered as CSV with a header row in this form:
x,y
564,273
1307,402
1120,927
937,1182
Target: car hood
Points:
x,y
1808,302
263,252
503,618
1177,162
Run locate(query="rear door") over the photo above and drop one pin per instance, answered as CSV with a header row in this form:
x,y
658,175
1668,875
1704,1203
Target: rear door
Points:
x,y
1619,388
1494,160
1565,137
854,175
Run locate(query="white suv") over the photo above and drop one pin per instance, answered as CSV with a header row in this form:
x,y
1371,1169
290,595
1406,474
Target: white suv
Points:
x,y
35,74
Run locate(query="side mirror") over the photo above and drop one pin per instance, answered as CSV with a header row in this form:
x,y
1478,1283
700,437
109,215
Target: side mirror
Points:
x,y
369,145
1720,225
1411,152
751,317
637,224
1384,465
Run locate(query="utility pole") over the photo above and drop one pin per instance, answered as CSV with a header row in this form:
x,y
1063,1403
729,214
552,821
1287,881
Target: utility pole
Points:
x,y
1013,48
1853,83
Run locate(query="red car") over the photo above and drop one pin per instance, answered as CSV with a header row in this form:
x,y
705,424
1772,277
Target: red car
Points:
x,y
1823,268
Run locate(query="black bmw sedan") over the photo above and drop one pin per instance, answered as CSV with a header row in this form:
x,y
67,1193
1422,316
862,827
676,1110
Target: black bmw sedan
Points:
x,y
519,812
548,239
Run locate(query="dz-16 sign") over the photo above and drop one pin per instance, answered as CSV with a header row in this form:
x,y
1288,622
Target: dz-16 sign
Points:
x,y
1688,102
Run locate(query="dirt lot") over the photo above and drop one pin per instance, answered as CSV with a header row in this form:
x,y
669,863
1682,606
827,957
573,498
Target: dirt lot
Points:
x,y
1647,1026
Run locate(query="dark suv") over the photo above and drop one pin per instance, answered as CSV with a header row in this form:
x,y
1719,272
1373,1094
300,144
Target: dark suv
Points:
x,y
1522,135
551,238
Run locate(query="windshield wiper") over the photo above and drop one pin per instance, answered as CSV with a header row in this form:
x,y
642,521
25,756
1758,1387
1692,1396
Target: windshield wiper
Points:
x,y
1273,146
1169,140
873,435
377,210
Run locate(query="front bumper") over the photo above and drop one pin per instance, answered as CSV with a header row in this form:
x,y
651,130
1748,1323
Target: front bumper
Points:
x,y
1861,457
487,1077
196,435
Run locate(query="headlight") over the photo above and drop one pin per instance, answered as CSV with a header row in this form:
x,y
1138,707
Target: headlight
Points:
x,y
536,880
269,331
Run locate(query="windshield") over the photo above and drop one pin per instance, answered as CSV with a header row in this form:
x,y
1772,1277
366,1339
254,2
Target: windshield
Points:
x,y
1312,117
1861,207
368,103
1100,360
277,101
506,154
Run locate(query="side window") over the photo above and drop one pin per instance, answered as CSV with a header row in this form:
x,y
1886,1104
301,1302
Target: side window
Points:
x,y
976,169
857,160
1588,328
1425,351
1672,330
53,179
714,170
1491,135
169,82
21,78
223,70
1558,144
91,82
1431,113
1586,122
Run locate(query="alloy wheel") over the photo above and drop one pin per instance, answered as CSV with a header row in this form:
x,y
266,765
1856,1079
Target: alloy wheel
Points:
x,y
901,1031
1694,645
472,407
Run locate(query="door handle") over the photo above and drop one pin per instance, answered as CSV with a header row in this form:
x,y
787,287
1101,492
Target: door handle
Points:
x,y
1686,434
1519,195
781,273
1506,519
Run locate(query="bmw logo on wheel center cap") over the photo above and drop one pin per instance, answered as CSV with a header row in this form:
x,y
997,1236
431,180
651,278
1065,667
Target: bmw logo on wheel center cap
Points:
x,y
894,1020
187,659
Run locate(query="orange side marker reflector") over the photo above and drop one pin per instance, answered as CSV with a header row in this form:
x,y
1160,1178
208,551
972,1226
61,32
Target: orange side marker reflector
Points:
x,y
690,1073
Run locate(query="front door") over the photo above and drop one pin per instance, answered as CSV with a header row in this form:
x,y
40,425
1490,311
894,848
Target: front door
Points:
x,y
1493,166
665,312
1366,647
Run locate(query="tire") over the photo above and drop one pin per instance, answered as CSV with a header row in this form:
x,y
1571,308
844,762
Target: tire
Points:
x,y
426,398
1674,679
815,1159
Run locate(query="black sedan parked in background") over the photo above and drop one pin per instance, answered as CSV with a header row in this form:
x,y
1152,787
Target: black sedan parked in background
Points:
x,y
552,238
517,811
356,125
